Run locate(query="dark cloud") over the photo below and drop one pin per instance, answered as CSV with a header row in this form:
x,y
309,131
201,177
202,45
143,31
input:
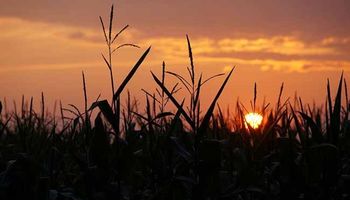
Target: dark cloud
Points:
x,y
310,19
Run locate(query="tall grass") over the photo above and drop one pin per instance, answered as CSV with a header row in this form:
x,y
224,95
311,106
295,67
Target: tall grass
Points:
x,y
299,152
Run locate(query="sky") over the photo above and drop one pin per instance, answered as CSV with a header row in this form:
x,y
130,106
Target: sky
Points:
x,y
46,44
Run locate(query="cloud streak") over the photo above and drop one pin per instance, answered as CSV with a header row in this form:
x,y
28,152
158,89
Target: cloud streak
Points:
x,y
279,53
29,44
34,45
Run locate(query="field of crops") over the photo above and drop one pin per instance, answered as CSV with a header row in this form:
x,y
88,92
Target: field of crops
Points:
x,y
299,151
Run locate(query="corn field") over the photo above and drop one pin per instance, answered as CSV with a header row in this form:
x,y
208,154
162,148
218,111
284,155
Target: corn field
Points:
x,y
173,148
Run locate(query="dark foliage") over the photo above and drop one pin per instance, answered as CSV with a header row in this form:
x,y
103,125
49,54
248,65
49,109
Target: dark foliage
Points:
x,y
298,152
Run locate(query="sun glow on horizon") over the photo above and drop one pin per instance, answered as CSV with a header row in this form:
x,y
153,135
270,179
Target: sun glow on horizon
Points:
x,y
253,119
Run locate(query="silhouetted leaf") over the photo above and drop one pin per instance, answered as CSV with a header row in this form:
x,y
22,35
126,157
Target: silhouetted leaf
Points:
x,y
335,118
172,98
205,123
104,29
122,30
107,111
131,74
316,132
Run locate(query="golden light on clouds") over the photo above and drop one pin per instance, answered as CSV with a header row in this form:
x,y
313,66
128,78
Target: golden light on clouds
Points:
x,y
280,53
34,45
265,42
284,45
71,46
280,44
23,29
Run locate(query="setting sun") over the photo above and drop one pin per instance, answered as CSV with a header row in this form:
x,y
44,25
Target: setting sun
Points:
x,y
253,119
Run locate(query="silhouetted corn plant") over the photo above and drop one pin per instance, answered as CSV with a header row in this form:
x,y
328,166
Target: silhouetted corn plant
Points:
x,y
299,152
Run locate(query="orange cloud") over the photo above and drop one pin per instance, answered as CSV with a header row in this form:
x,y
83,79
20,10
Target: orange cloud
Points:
x,y
280,45
301,55
38,45
335,41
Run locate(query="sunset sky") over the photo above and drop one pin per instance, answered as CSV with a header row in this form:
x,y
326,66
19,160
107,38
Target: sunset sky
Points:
x,y
45,45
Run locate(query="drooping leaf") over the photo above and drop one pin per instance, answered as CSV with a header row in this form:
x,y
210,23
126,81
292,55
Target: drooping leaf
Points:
x,y
182,80
108,64
131,74
212,77
104,29
107,111
116,35
125,45
172,98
